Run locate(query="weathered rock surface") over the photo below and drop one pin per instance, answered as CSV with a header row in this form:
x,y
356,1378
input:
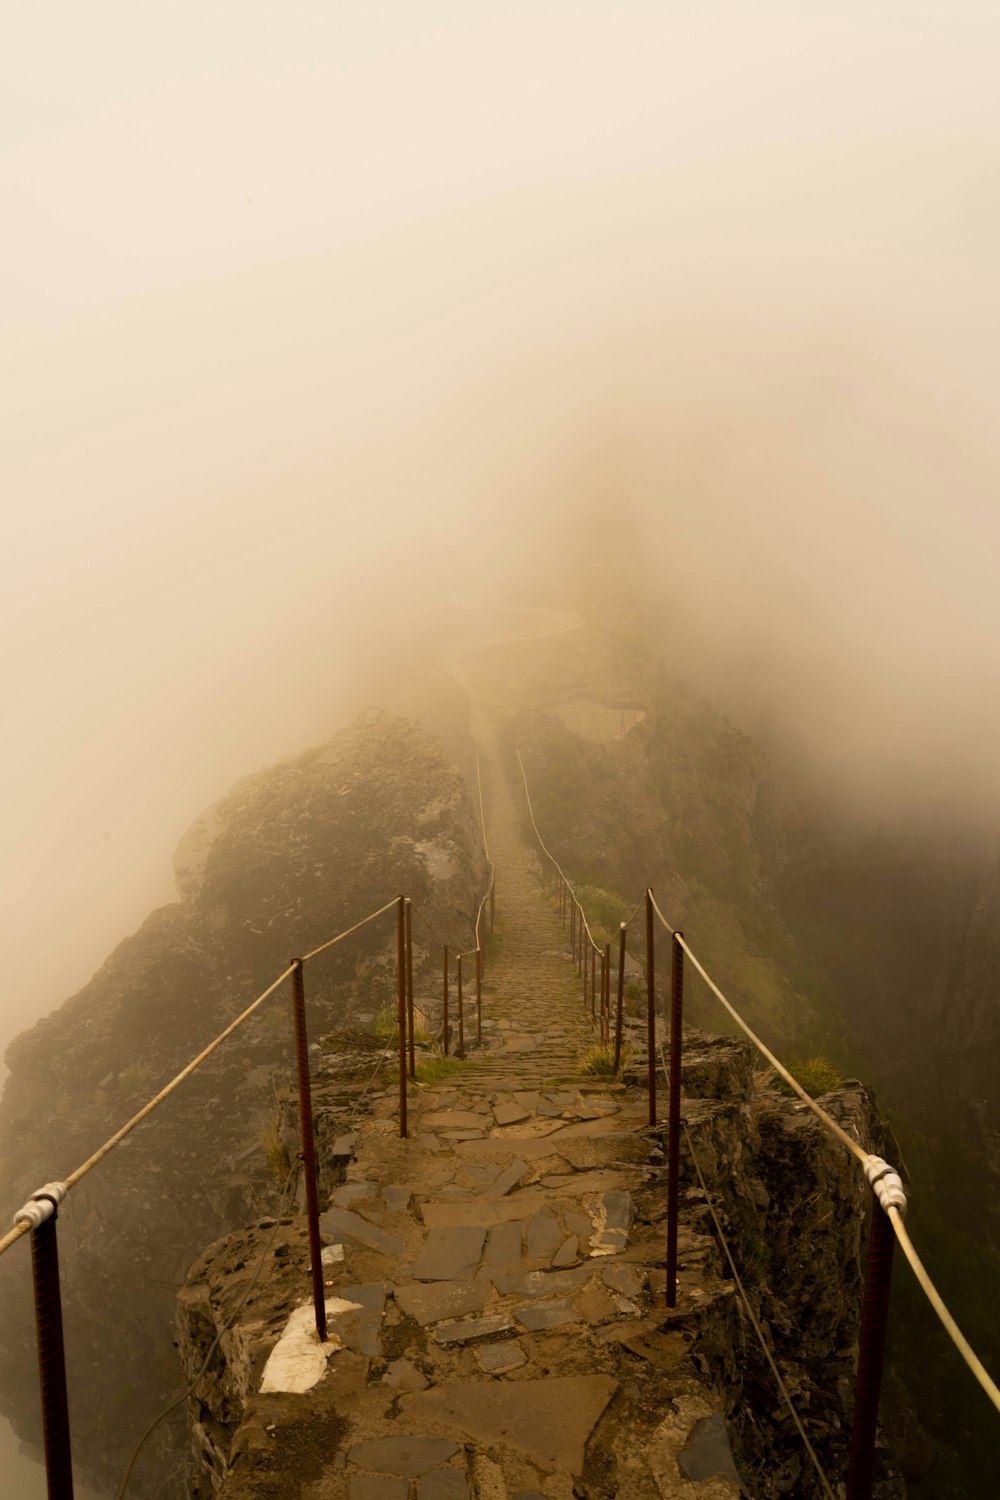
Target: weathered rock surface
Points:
x,y
290,857
548,1362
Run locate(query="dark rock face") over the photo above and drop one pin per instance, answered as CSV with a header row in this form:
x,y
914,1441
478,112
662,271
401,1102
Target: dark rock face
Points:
x,y
290,857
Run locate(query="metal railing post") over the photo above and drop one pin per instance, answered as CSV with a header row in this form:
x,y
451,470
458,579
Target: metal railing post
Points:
x,y
409,987
572,929
401,1007
674,1112
444,1006
650,1007
606,996
868,1385
42,1211
308,1153
593,979
493,897
619,1018
479,994
461,1014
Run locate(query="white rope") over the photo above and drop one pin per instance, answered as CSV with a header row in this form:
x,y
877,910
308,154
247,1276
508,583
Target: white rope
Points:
x,y
779,1067
936,1301
346,934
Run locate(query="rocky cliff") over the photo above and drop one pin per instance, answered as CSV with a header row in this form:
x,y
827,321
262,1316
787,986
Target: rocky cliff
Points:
x,y
291,856
563,1278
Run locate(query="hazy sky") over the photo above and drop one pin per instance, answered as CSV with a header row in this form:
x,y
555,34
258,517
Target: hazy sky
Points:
x,y
314,314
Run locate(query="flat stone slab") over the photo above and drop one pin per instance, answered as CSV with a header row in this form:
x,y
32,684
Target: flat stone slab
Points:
x,y
496,1359
708,1454
403,1375
503,1246
376,1487
513,1043
529,1098
454,1119
341,1224
408,1456
508,1179
360,1330
449,1252
445,1484
510,1114
567,1254
443,1299
535,1316
542,1283
547,1421
543,1235
467,1329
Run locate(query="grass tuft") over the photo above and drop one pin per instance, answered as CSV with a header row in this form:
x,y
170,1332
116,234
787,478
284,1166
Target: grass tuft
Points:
x,y
599,1062
817,1075
436,1068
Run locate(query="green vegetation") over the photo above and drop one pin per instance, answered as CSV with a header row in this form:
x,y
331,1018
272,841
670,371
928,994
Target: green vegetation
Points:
x,y
386,1026
817,1075
275,1149
756,1260
436,1068
600,1061
605,910
386,1022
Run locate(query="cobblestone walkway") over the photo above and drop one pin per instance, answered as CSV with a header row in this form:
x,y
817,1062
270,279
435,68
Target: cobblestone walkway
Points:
x,y
497,1326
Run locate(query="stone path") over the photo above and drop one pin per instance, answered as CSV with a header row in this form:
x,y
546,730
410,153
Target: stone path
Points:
x,y
495,1280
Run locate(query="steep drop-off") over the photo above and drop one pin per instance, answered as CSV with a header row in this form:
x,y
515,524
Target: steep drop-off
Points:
x,y
291,856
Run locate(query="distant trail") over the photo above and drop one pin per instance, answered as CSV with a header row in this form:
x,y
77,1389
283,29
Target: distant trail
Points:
x,y
534,995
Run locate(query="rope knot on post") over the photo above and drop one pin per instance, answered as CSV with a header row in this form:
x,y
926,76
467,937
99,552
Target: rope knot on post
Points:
x,y
42,1204
886,1183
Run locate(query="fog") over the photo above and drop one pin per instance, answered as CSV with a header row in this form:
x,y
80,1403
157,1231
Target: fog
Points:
x,y
317,318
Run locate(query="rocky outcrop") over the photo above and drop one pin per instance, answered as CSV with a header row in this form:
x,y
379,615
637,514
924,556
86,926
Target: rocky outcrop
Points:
x,y
291,856
514,1326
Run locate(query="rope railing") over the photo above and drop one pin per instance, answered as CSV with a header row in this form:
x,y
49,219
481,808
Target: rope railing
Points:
x,y
38,1216
889,1199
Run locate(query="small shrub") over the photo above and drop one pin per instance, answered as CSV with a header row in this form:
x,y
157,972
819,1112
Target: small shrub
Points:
x,y
436,1068
600,1061
756,1260
386,1022
275,1149
816,1075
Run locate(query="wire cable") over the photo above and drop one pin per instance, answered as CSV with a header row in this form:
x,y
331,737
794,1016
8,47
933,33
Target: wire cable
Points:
x,y
189,1392
753,1317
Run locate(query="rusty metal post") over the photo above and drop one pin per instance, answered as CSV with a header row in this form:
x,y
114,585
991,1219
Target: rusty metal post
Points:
x,y
606,997
593,978
619,1018
572,929
308,1152
674,1112
493,897
650,1007
868,1385
479,995
401,1007
461,1014
51,1349
444,1005
409,986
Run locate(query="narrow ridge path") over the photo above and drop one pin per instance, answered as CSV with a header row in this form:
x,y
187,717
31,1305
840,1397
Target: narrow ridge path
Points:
x,y
495,1304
